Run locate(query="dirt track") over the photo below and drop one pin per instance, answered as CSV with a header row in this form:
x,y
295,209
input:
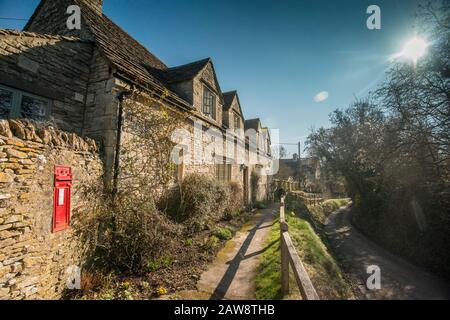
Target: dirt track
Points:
x,y
399,278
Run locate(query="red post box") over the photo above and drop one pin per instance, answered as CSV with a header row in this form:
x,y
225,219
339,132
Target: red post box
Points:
x,y
61,205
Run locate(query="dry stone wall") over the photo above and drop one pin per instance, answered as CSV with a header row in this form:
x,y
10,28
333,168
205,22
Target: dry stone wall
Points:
x,y
34,261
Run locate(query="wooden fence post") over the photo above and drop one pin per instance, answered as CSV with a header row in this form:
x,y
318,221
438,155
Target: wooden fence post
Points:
x,y
284,252
290,258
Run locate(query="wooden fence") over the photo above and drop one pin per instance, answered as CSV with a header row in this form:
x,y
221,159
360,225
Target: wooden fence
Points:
x,y
289,257
286,185
310,199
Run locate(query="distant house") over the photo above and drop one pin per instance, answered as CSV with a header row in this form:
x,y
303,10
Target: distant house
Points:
x,y
77,78
259,143
304,170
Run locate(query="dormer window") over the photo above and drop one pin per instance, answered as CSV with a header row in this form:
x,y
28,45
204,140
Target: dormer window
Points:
x,y
237,122
209,103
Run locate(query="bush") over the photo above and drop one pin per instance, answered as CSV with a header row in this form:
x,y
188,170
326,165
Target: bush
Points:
x,y
294,203
223,233
200,201
212,243
126,233
235,201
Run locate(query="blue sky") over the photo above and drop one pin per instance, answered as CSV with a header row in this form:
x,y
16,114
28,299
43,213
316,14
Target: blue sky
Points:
x,y
277,54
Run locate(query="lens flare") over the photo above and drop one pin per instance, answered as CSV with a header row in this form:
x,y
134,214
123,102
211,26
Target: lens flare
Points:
x,y
414,49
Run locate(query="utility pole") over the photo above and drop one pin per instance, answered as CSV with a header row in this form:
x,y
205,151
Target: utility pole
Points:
x,y
299,162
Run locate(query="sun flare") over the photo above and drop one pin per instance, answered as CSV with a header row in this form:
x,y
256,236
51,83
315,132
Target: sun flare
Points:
x,y
414,49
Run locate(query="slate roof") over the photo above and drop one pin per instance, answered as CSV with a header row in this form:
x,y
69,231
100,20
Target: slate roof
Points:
x,y
228,98
183,72
131,59
228,101
252,124
127,54
9,32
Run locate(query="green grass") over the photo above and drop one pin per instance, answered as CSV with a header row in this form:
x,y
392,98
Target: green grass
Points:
x,y
268,280
323,270
162,262
223,233
212,243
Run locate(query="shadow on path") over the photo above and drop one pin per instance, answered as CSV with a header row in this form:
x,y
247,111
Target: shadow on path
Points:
x,y
227,279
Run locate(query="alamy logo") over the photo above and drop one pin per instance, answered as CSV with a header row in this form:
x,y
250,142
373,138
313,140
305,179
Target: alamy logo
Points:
x,y
74,20
374,20
374,280
216,146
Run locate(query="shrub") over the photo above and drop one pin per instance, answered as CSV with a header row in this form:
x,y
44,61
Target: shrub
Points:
x,y
126,233
201,200
235,201
212,243
162,262
294,203
223,233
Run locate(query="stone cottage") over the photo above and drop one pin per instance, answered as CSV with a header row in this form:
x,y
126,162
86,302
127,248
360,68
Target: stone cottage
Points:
x,y
75,82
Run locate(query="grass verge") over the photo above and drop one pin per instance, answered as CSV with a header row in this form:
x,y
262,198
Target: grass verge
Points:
x,y
323,210
323,270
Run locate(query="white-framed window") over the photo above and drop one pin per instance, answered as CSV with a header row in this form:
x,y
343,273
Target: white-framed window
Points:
x,y
209,103
19,104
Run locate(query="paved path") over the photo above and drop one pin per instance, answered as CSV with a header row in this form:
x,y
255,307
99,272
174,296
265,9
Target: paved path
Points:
x,y
399,278
232,273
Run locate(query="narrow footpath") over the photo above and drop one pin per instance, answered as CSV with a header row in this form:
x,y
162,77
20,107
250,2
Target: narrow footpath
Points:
x,y
233,272
399,278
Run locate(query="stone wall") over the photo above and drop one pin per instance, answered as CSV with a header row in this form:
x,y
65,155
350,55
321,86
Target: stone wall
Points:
x,y
33,260
102,108
73,75
133,149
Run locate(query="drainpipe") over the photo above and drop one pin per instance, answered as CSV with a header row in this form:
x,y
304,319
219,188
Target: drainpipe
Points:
x,y
120,97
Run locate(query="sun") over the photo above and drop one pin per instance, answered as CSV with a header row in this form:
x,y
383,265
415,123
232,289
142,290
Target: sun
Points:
x,y
414,49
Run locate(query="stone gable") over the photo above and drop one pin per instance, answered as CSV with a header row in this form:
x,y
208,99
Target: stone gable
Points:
x,y
56,68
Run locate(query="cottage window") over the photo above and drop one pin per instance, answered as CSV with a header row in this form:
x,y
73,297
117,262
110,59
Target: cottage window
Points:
x,y
209,103
237,122
6,103
223,172
18,104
